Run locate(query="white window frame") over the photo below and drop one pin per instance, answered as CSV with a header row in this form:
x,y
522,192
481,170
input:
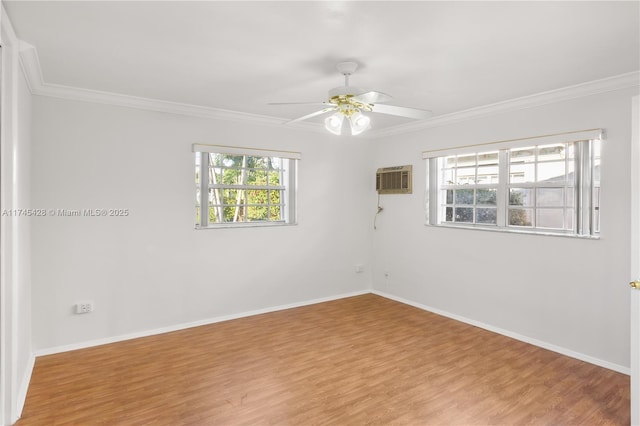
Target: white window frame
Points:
x,y
287,187
585,188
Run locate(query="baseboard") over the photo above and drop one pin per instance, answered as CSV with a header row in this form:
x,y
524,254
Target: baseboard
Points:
x,y
520,337
21,397
183,326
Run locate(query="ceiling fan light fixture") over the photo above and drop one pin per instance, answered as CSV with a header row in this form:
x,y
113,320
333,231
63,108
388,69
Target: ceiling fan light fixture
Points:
x,y
349,101
359,123
333,123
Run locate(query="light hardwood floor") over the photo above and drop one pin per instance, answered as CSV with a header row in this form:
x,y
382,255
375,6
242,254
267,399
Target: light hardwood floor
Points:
x,y
360,360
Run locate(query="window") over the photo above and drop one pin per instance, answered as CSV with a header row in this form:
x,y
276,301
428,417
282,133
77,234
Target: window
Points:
x,y
470,187
545,185
244,187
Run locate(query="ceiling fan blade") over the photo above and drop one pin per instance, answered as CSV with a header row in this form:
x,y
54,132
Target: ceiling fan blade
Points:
x,y
418,114
299,103
313,114
372,97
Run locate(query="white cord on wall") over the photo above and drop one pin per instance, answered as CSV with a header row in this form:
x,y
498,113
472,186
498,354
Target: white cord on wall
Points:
x,y
375,218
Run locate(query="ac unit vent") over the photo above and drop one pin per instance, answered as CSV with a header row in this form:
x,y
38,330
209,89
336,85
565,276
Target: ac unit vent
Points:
x,y
394,180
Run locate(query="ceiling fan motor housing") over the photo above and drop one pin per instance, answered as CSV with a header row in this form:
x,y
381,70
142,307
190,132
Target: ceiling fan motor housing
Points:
x,y
347,68
346,91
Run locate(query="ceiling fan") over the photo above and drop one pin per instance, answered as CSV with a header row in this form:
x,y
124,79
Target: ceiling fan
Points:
x,y
349,102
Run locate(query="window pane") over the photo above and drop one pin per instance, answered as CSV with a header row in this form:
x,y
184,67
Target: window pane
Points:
x,y
549,218
550,197
230,214
551,152
569,215
214,196
521,155
488,159
552,172
275,213
596,209
256,177
486,215
520,197
466,160
486,196
257,196
255,213
487,174
274,178
214,217
466,176
230,176
522,173
275,163
464,214
520,217
541,185
275,197
570,192
235,197
447,176
215,175
464,196
449,214
198,160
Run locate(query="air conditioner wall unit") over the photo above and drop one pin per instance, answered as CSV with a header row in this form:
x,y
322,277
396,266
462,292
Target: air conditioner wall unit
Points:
x,y
394,180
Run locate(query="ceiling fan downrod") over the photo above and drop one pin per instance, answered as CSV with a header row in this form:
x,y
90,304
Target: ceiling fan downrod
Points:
x,y
346,69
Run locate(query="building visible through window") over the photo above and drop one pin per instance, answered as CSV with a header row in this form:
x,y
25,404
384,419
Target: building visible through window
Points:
x,y
547,187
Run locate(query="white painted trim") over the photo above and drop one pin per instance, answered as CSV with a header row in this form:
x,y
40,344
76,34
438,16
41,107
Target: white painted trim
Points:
x,y
608,84
517,336
9,387
33,72
634,256
178,327
573,136
238,150
24,387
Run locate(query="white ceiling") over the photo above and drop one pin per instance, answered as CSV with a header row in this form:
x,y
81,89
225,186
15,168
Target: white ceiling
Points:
x,y
442,56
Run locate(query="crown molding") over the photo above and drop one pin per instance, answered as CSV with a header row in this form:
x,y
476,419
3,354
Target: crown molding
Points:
x,y
33,72
608,84
7,33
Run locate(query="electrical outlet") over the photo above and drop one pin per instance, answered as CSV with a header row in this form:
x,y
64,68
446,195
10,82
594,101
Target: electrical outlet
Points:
x,y
84,307
359,269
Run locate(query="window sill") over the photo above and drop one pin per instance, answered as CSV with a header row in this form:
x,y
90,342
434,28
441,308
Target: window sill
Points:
x,y
516,231
244,225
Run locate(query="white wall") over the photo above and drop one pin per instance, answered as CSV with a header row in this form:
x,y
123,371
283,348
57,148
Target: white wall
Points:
x,y
15,308
565,292
152,269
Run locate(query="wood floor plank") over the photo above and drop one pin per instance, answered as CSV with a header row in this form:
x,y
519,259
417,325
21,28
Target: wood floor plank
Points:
x,y
355,361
